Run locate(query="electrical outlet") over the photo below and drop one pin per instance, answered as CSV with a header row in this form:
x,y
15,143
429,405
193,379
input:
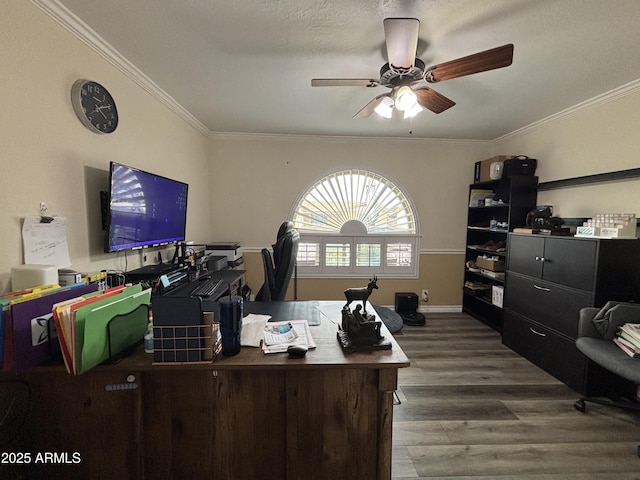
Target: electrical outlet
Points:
x,y
425,295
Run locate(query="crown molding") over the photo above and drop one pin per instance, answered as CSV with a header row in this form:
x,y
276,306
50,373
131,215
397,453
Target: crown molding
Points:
x,y
73,24
343,138
597,101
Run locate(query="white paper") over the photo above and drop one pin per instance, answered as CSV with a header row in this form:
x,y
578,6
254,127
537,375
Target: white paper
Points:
x,y
280,332
252,328
302,336
46,243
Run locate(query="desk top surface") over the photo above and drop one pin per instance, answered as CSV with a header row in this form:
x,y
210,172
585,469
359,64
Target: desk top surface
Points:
x,y
327,354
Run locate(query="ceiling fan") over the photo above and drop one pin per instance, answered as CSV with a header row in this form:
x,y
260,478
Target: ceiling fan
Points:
x,y
407,76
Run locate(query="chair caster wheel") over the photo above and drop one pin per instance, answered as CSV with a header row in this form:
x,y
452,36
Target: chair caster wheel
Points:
x,y
580,405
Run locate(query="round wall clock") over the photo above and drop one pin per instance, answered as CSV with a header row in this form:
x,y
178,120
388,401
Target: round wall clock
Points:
x,y
94,106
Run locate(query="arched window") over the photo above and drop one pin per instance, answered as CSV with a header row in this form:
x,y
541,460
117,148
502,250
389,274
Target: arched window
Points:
x,y
354,222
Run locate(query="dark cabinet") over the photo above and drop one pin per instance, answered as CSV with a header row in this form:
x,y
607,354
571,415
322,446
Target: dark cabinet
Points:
x,y
563,262
488,223
548,280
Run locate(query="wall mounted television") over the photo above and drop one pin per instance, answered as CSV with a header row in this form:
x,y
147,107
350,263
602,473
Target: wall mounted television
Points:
x,y
142,209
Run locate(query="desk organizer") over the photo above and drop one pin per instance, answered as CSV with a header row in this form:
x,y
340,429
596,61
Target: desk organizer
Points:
x,y
180,344
126,330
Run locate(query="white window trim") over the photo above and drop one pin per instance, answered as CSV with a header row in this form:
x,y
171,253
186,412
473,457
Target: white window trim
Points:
x,y
322,271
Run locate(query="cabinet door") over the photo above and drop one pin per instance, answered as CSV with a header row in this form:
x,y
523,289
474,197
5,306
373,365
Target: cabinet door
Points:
x,y
93,420
570,262
525,254
231,425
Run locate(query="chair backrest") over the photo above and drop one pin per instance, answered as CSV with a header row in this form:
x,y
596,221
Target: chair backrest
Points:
x,y
278,247
277,273
284,262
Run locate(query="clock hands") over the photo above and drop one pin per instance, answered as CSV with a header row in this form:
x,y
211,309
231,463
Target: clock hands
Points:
x,y
99,109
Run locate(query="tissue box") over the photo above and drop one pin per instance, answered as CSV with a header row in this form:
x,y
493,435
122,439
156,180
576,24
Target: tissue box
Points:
x,y
493,264
32,275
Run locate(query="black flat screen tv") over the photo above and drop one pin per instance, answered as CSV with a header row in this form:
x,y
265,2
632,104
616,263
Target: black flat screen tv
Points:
x,y
143,209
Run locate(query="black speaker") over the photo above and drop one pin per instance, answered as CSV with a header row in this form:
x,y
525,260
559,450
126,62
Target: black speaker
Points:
x,y
406,302
407,308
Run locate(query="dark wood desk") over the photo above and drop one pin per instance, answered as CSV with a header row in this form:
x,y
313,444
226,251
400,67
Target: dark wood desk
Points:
x,y
325,416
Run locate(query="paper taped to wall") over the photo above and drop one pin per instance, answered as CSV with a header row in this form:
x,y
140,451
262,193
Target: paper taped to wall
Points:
x,y
46,242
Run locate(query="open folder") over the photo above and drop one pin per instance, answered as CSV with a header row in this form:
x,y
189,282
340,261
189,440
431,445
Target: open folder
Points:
x,y
94,328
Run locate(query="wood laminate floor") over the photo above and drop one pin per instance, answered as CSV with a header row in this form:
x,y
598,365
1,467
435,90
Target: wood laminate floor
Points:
x,y
472,408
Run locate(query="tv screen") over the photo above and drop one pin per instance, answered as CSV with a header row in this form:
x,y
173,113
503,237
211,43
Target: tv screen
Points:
x,y
143,209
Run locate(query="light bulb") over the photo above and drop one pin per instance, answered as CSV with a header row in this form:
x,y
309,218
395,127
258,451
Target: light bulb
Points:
x,y
405,98
385,108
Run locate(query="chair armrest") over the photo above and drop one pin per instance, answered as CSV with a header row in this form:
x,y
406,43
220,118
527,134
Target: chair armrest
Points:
x,y
586,328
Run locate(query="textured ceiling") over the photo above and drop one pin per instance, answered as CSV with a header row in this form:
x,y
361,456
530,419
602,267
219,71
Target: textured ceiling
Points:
x,y
246,66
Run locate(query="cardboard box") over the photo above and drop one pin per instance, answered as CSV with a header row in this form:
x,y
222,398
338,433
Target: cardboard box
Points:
x,y
490,264
482,169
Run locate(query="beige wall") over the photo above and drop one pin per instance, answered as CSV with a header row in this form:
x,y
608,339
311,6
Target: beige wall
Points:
x,y
256,180
597,138
274,171
47,155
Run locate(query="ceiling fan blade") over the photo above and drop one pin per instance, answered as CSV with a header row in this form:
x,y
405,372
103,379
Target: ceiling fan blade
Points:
x,y
401,37
432,100
344,82
369,108
478,62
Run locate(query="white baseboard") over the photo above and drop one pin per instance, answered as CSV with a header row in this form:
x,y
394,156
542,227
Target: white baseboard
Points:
x,y
434,308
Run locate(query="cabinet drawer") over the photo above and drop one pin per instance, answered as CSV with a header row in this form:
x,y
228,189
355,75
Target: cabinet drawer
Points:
x,y
551,352
546,303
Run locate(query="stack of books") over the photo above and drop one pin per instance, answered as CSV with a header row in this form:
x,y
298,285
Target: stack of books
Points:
x,y
628,339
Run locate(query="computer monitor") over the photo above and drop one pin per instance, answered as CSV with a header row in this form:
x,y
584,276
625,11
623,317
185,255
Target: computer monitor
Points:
x,y
143,209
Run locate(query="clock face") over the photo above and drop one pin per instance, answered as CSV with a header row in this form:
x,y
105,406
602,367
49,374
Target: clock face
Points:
x,y
94,106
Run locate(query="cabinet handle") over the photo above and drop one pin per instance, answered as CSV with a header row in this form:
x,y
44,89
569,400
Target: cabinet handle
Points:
x,y
540,334
544,289
539,259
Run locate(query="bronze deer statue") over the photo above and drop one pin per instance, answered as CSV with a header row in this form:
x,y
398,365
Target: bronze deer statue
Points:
x,y
362,293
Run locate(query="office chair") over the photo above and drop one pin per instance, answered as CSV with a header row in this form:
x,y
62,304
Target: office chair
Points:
x,y
277,272
619,374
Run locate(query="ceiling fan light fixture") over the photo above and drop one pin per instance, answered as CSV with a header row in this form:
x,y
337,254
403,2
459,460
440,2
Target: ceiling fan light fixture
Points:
x,y
405,98
385,107
413,111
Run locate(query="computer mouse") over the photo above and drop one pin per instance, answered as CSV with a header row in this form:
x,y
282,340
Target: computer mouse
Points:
x,y
297,350
204,277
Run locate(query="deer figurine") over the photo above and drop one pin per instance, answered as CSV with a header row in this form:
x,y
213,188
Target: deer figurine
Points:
x,y
362,293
